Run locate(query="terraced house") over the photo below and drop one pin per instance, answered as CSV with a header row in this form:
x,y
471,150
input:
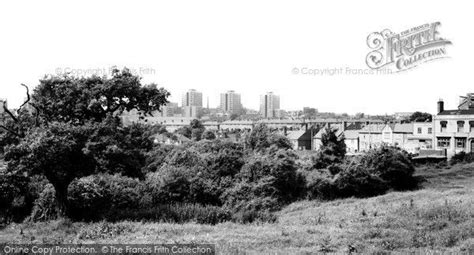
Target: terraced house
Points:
x,y
454,129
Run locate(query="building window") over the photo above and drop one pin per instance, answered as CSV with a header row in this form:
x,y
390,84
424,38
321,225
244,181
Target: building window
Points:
x,y
444,142
430,131
460,143
471,125
444,125
419,130
460,126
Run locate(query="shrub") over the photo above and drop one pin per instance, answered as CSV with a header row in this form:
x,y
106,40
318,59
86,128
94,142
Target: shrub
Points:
x,y
320,187
358,182
45,207
93,196
462,157
392,165
169,184
15,199
273,174
262,137
156,158
208,135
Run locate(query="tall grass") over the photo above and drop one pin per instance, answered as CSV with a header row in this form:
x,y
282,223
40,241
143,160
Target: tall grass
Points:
x,y
173,213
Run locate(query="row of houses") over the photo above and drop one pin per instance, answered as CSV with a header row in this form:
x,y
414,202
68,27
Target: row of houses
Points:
x,y
451,132
412,137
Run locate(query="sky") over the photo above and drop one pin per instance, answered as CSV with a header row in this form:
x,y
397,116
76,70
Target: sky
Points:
x,y
248,46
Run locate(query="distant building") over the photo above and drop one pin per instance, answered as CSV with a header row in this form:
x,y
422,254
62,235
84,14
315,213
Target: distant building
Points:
x,y
169,110
173,139
3,103
300,139
397,134
351,139
421,139
191,111
454,129
269,105
230,102
192,98
192,103
370,137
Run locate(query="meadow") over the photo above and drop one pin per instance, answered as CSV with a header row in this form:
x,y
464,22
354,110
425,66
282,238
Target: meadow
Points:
x,y
437,217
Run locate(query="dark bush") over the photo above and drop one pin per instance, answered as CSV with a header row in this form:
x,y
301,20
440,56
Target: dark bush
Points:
x,y
94,196
462,157
320,186
358,182
392,165
273,174
18,194
170,184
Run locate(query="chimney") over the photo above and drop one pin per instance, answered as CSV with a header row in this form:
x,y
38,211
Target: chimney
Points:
x,y
440,105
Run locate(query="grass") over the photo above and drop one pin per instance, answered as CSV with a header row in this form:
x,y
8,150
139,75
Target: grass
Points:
x,y
438,217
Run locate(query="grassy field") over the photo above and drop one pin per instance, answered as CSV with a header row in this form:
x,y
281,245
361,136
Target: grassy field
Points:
x,y
438,217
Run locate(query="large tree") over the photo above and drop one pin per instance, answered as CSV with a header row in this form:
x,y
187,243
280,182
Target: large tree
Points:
x,y
421,117
73,129
76,100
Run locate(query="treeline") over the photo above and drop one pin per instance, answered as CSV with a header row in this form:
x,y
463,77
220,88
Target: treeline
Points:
x,y
72,157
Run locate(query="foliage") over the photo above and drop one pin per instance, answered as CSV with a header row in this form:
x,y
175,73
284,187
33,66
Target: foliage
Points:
x,y
392,165
45,207
95,196
266,182
156,157
118,149
332,150
261,138
170,184
13,197
208,135
420,117
81,99
76,130
462,157
55,152
357,181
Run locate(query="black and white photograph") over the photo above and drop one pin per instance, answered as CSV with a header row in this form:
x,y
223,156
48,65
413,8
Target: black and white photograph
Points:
x,y
236,127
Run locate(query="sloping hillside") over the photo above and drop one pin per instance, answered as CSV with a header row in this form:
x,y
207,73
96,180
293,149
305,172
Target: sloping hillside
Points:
x,y
438,217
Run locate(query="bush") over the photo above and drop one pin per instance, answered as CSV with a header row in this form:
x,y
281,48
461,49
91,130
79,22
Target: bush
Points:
x,y
45,207
392,165
169,185
462,157
358,182
15,197
94,196
320,187
273,174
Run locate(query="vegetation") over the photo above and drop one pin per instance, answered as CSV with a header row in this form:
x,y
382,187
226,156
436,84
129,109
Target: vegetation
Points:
x,y
70,157
420,117
462,157
437,218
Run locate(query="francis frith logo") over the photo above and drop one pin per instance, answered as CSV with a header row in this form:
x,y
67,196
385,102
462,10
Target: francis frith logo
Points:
x,y
407,49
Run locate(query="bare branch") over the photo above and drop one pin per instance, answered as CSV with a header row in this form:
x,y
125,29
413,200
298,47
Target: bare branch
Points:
x,y
27,97
10,113
10,130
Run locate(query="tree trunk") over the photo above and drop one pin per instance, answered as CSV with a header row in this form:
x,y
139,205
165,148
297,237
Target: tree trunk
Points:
x,y
61,198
